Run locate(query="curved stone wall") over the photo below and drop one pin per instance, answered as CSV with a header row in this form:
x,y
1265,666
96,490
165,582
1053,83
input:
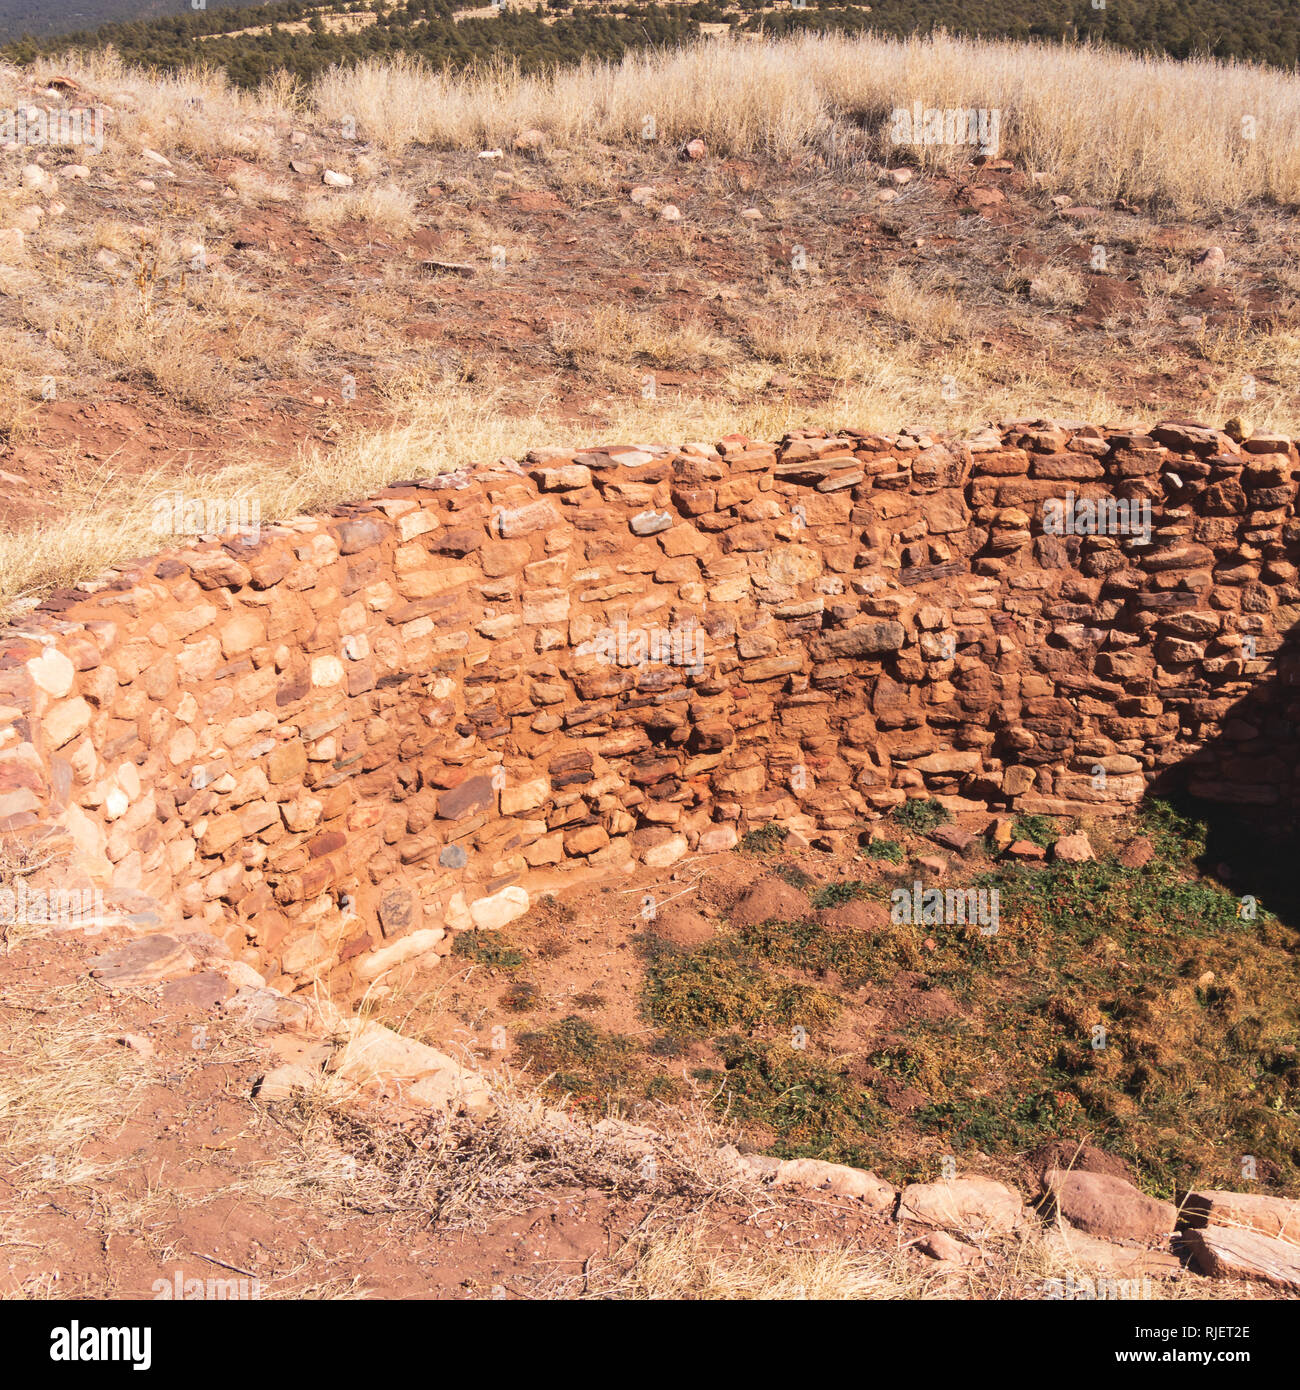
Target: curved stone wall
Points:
x,y
428,706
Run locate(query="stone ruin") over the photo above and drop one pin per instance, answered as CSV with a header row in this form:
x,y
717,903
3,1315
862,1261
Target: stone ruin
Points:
x,y
428,707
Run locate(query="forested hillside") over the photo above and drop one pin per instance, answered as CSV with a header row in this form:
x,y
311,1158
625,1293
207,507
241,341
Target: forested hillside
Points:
x,y
307,38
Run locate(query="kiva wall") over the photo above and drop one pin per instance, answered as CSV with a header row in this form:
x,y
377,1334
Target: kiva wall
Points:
x,y
428,706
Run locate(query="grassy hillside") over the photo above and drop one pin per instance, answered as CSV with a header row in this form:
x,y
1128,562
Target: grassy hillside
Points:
x,y
250,42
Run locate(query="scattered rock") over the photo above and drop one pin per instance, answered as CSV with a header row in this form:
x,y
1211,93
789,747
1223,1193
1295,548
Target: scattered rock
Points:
x,y
1278,1217
281,1083
269,1011
375,964
143,962
1136,852
974,1206
695,149
1073,849
1233,1253
333,179
495,911
939,1245
414,1072
1108,1207
820,1176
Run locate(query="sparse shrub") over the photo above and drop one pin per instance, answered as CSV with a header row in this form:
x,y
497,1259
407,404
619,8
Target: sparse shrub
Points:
x,y
488,948
521,998
765,840
837,894
716,989
890,851
814,1110
794,876
920,816
583,1060
1038,830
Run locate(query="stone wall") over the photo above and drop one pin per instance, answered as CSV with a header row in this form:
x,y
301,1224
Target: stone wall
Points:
x,y
426,707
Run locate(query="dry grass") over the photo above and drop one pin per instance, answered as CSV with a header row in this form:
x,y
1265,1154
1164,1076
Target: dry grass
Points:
x,y
1103,124
60,1083
168,348
1057,287
685,1264
458,1173
387,206
615,334
106,516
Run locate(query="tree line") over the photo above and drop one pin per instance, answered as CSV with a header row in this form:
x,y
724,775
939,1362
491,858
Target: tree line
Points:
x,y
1258,30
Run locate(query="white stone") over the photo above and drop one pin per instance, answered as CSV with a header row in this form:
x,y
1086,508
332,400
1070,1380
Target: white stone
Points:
x,y
498,909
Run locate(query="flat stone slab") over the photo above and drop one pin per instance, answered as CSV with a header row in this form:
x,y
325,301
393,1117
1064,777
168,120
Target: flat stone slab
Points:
x,y
143,962
204,991
1088,1254
1278,1217
975,1206
1231,1253
269,1011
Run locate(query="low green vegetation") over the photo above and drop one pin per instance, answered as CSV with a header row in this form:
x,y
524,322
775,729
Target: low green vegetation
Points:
x,y
1146,1009
887,851
767,839
921,816
1038,830
489,948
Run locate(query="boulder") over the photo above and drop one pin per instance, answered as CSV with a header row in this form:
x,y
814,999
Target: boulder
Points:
x,y
975,1206
376,963
1278,1217
1232,1253
1072,849
1108,1207
417,1073
821,1176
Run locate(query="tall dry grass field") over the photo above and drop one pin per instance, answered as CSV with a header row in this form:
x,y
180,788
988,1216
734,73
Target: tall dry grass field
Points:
x,y
1188,136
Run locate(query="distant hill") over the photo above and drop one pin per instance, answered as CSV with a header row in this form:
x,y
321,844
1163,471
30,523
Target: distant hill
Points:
x,y
40,18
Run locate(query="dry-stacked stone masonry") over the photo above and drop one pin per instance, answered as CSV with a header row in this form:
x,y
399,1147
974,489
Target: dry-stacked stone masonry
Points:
x,y
428,706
